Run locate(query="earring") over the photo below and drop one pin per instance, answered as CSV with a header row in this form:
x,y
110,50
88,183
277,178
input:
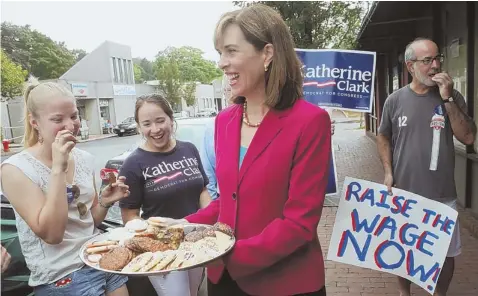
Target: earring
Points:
x,y
265,68
40,139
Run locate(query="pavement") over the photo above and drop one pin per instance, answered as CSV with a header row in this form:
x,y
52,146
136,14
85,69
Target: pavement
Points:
x,y
356,156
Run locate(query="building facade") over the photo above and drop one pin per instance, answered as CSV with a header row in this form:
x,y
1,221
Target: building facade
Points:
x,y
389,27
221,90
204,99
103,83
105,91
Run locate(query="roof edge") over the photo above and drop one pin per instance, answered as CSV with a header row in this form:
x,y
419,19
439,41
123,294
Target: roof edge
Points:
x,y
367,19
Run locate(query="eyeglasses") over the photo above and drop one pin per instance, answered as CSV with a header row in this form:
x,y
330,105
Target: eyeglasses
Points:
x,y
427,61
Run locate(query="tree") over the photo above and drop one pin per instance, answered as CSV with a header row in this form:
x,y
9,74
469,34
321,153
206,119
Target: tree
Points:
x,y
189,93
36,52
191,64
147,72
179,69
79,54
13,77
138,72
169,81
319,24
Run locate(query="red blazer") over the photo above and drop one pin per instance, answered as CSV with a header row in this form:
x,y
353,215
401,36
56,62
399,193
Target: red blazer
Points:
x,y
274,200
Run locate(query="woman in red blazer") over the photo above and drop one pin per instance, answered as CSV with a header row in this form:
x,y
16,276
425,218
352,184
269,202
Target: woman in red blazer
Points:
x,y
272,158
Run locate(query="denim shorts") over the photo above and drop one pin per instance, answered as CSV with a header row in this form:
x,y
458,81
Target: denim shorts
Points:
x,y
83,282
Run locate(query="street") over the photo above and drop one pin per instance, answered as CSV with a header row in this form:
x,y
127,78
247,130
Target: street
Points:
x,y
105,149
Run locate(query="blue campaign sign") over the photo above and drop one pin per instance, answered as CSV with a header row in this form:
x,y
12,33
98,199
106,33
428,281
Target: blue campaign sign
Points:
x,y
339,79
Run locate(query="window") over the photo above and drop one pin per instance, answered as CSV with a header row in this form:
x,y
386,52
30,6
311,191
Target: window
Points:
x,y
131,72
120,67
126,72
115,70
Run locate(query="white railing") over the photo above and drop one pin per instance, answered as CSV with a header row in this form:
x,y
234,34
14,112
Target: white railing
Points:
x,y
5,128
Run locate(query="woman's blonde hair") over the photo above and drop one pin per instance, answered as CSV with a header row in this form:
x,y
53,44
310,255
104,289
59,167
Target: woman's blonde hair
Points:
x,y
34,93
262,25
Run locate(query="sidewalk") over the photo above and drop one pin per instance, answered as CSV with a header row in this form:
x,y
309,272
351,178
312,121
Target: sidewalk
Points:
x,y
356,156
15,148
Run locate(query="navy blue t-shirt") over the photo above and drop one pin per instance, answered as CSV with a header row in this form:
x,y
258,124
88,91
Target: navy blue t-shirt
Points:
x,y
166,184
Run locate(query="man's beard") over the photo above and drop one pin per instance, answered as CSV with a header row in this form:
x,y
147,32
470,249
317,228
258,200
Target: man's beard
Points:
x,y
425,79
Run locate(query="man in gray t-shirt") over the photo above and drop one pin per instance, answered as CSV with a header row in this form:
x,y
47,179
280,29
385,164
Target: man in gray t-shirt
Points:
x,y
415,140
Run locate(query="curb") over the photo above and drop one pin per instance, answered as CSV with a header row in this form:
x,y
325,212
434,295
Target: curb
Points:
x,y
98,139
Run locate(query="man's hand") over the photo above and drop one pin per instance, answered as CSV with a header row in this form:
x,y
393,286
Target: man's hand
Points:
x,y
389,183
5,259
445,84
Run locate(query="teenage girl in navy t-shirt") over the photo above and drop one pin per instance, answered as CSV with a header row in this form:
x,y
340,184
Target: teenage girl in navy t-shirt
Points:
x,y
165,178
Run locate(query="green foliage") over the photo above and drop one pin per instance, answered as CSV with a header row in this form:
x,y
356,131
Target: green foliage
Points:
x,y
319,24
138,72
179,69
169,81
191,64
189,93
146,66
36,52
13,77
79,54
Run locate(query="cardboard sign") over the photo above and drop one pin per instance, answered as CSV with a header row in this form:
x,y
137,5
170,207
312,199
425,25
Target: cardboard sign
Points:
x,y
340,79
403,234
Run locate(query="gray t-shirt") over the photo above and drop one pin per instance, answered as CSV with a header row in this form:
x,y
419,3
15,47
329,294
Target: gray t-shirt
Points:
x,y
409,120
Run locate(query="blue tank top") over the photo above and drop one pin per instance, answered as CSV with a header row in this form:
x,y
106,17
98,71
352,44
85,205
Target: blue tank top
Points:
x,y
242,153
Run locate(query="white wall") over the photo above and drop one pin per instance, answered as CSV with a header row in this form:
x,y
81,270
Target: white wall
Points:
x,y
95,66
111,106
12,113
92,116
144,89
205,92
124,106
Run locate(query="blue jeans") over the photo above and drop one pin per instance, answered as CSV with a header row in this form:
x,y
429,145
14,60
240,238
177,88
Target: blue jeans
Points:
x,y
83,282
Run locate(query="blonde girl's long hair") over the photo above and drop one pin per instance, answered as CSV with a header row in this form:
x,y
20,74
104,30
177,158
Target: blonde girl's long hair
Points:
x,y
33,95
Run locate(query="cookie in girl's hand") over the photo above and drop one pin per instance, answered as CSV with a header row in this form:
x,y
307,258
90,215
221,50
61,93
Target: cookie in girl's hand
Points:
x,y
111,178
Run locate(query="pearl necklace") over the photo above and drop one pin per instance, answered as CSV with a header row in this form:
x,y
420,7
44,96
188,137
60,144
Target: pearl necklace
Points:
x,y
245,118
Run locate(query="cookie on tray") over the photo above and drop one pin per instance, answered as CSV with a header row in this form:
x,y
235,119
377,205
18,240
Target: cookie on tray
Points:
x,y
200,228
138,262
157,257
169,257
224,228
209,232
186,246
116,259
194,236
